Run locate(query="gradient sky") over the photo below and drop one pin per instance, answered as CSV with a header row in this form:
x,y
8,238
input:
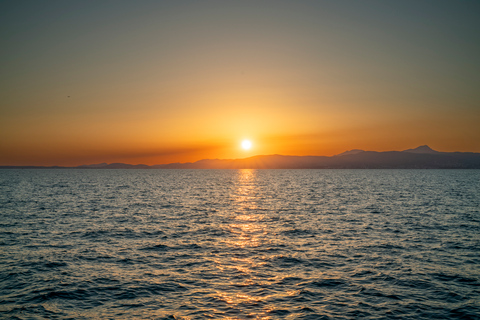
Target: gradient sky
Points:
x,y
155,82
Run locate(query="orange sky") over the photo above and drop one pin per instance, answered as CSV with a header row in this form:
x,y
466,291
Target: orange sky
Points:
x,y
159,82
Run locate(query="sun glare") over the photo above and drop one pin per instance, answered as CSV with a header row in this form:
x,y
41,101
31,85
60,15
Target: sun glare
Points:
x,y
246,144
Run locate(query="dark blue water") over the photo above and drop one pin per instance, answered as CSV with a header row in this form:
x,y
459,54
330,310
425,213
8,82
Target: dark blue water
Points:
x,y
240,244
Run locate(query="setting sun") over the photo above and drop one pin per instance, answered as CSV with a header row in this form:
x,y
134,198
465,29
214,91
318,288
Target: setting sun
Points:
x,y
246,144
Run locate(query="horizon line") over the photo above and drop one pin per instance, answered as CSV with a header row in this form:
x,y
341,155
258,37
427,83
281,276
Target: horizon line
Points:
x,y
423,149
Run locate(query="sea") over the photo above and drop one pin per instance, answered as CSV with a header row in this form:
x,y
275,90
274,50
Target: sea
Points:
x,y
239,244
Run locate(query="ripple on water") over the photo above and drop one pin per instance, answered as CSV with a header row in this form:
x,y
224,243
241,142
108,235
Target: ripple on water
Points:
x,y
240,244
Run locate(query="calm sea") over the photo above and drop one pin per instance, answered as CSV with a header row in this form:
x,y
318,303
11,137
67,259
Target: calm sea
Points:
x,y
240,244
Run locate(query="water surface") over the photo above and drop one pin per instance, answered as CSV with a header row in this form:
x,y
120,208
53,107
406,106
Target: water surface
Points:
x,y
240,244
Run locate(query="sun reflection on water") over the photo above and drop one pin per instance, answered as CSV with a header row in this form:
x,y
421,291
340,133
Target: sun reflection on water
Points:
x,y
247,233
246,224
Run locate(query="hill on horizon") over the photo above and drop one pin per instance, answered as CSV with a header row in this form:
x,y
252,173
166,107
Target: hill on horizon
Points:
x,y
422,157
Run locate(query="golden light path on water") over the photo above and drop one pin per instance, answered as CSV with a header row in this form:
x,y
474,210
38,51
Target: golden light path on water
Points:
x,y
250,231
247,228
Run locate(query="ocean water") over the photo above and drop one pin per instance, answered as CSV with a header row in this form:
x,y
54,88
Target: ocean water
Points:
x,y
240,244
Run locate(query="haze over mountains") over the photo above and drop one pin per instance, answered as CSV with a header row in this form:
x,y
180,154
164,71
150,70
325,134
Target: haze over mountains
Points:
x,y
422,157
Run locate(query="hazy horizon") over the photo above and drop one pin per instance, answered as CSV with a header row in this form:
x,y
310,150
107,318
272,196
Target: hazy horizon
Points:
x,y
156,82
421,157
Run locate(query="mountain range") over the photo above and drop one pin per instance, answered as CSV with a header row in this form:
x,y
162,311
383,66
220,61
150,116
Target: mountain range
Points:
x,y
422,157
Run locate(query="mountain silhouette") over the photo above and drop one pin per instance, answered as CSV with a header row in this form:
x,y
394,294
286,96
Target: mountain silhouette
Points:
x,y
422,149
354,151
422,157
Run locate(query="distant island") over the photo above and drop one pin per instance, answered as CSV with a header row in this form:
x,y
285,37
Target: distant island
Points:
x,y
422,157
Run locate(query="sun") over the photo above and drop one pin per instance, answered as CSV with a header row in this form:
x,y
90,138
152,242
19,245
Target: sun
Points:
x,y
246,144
